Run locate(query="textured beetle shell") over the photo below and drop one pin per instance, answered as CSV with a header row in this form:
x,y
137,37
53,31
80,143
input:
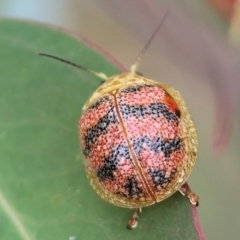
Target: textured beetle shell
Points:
x,y
138,140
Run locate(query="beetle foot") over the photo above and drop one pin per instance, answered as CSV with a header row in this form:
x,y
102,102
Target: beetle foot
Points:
x,y
133,221
193,198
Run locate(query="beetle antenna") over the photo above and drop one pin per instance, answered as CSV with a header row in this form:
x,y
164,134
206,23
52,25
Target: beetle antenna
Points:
x,y
134,67
98,74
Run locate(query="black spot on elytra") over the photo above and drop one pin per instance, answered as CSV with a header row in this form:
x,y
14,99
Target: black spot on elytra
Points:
x,y
178,113
107,170
136,88
169,146
157,145
132,189
155,110
111,162
93,133
159,179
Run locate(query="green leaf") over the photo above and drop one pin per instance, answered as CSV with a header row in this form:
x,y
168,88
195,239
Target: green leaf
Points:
x,y
44,192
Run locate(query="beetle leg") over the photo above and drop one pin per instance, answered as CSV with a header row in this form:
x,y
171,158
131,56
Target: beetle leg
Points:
x,y
193,198
133,221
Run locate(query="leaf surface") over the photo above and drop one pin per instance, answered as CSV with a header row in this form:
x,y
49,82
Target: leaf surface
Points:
x,y
44,193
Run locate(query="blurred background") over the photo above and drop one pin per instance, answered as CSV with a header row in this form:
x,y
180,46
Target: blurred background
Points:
x,y
216,176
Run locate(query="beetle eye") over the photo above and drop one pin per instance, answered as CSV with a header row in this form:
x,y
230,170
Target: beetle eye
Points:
x,y
139,74
101,83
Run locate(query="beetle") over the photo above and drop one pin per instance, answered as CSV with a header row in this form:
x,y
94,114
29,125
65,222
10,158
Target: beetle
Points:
x,y
138,139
